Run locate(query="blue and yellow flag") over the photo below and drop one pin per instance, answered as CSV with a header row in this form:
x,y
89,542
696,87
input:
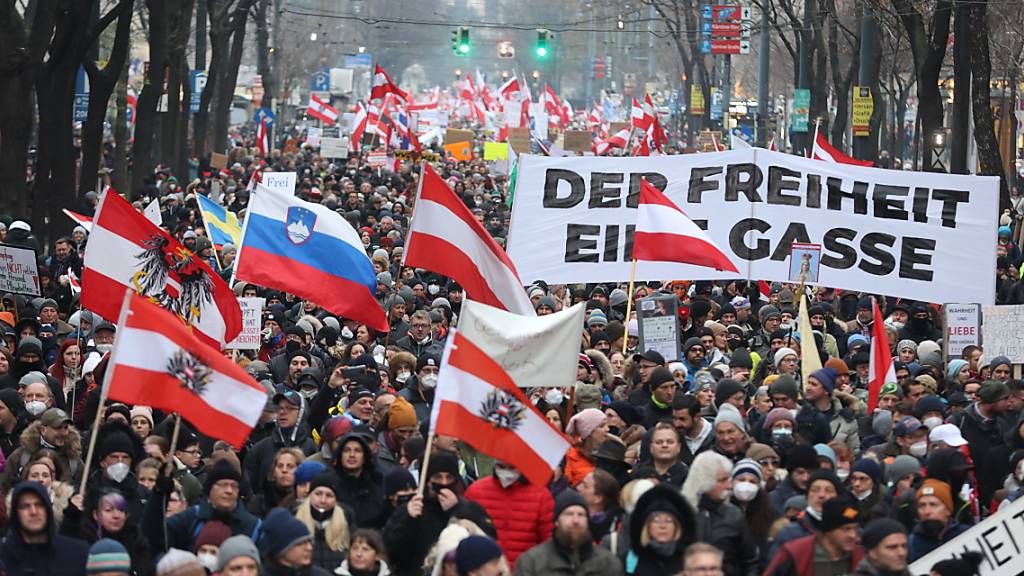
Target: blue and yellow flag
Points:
x,y
220,224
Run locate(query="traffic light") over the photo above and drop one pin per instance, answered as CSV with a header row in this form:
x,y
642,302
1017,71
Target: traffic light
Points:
x,y
506,49
543,40
460,41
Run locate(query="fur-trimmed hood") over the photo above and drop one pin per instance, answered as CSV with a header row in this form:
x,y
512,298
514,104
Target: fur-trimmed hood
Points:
x,y
604,377
30,441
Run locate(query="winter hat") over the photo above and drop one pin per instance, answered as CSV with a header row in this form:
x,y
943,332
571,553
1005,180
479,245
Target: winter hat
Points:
x,y
629,414
758,451
401,414
588,396
929,403
308,470
106,556
927,347
584,423
725,389
827,377
954,367
782,353
741,359
396,480
870,468
33,377
747,466
993,391
474,552
240,546
545,301
855,339
116,441
597,318
143,411
280,532
939,489
878,530
968,564
768,311
778,415
785,384
326,479
996,362
443,462
801,456
731,414
907,344
836,513
568,498
179,563
10,398
838,365
901,466
825,451
213,533
221,470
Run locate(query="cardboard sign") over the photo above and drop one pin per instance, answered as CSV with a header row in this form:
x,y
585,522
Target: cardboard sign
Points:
x,y
377,159
917,235
519,139
659,325
218,160
495,151
1002,327
618,127
453,136
963,327
252,314
334,147
577,140
19,273
998,538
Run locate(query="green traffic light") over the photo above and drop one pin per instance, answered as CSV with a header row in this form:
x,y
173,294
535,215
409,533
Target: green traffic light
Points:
x,y
464,48
542,51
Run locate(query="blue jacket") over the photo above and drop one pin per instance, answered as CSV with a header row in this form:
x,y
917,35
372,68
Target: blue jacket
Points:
x,y
183,528
919,545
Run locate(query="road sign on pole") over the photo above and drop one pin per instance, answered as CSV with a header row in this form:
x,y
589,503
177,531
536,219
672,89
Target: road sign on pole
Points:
x,y
198,78
801,110
320,81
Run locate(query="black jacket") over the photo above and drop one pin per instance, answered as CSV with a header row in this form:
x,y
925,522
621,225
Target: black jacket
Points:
x,y
364,493
724,526
661,498
408,540
59,556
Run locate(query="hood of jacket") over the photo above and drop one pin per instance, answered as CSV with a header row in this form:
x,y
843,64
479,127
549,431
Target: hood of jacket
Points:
x,y
663,498
605,379
31,441
39,490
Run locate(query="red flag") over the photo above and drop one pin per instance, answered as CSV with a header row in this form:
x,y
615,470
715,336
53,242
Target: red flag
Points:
x,y
319,109
618,140
664,233
263,137
822,150
444,237
80,219
382,85
881,370
477,402
128,251
158,362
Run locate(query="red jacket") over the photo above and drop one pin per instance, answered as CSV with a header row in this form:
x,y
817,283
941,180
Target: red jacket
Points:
x,y
523,514
796,558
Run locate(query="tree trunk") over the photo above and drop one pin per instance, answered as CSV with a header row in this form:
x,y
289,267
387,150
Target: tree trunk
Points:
x,y
263,57
225,91
178,88
15,110
146,105
981,100
122,128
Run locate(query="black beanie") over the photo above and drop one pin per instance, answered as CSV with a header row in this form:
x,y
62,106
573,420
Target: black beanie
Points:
x,y
221,470
115,442
829,476
725,389
659,376
397,480
567,498
10,398
836,513
878,530
327,479
741,359
801,456
443,462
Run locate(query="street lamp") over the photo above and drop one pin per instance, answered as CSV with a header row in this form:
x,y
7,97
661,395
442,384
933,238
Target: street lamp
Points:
x,y
312,36
535,74
458,73
937,141
504,74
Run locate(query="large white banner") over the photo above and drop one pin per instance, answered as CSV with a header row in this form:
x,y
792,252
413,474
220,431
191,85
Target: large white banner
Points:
x,y
918,235
998,538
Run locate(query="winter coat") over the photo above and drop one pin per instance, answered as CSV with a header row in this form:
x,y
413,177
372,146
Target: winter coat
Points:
x,y
796,558
653,414
408,540
843,423
344,570
577,466
523,514
363,493
643,560
323,555
981,435
434,347
70,455
260,458
802,526
551,559
421,402
866,568
84,527
59,556
183,528
724,526
920,545
784,491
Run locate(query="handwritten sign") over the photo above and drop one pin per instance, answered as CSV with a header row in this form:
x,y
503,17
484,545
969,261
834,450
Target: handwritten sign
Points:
x,y
659,325
998,539
249,337
1002,329
18,271
963,327
279,182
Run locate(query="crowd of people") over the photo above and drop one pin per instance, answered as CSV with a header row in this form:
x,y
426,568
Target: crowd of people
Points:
x,y
723,461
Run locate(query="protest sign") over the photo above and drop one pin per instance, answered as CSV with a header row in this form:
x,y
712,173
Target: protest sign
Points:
x,y
995,538
577,140
252,314
377,159
963,327
533,350
279,182
910,234
1001,329
453,136
659,324
218,160
519,140
313,136
334,147
495,151
19,273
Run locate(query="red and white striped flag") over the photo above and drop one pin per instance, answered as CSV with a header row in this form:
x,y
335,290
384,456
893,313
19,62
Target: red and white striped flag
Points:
x,y
664,233
477,402
80,219
445,238
880,367
358,126
822,150
158,362
126,250
322,110
618,140
263,138
382,85
74,283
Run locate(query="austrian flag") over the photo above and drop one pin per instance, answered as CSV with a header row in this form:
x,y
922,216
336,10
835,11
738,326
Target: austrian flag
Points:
x,y
322,110
477,402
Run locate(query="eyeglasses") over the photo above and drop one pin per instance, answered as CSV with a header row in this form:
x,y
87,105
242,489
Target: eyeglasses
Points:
x,y
768,462
704,570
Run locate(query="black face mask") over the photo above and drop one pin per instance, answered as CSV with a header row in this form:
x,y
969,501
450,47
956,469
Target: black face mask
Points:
x,y
320,515
932,528
437,487
614,430
403,499
291,346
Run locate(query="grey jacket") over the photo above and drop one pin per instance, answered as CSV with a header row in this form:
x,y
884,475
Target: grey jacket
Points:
x,y
549,558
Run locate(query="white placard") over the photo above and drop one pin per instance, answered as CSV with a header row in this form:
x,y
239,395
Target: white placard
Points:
x,y
963,328
998,538
19,272
313,135
334,147
1002,328
252,314
917,235
279,182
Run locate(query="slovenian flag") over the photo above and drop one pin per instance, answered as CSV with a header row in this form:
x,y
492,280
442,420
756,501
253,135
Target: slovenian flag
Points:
x,y
311,251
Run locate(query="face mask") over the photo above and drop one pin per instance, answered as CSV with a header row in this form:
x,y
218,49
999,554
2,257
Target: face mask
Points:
x,y
437,487
35,407
745,491
813,513
402,376
209,561
843,474
118,472
506,477
104,348
932,528
932,421
403,499
307,394
429,381
346,334
554,397
433,289
320,515
782,434
863,496
291,346
919,449
614,430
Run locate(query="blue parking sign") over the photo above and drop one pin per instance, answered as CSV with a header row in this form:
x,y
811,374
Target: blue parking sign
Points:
x,y
320,81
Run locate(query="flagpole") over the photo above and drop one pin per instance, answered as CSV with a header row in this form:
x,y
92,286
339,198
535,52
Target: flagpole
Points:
x,y
425,463
174,438
108,374
809,151
241,238
629,304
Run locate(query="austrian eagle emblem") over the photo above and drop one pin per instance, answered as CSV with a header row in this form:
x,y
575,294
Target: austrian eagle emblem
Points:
x,y
174,278
502,410
190,371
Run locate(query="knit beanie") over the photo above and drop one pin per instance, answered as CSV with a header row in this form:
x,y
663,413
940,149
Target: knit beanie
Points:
x,y
221,470
782,353
801,456
729,413
747,466
567,498
474,552
828,476
443,462
10,398
878,530
213,533
629,413
785,384
838,365
401,414
778,415
398,479
143,411
325,479
114,442
107,556
938,489
179,563
870,468
240,546
280,532
725,389
584,423
954,367
827,377
308,470
836,513
901,466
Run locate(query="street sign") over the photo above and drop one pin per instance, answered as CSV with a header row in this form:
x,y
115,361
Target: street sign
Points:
x,y
727,29
716,103
696,100
716,46
320,81
264,113
863,106
725,12
198,82
81,95
364,61
801,110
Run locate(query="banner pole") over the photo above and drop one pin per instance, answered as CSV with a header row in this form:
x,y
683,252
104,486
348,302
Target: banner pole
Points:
x,y
629,305
425,463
